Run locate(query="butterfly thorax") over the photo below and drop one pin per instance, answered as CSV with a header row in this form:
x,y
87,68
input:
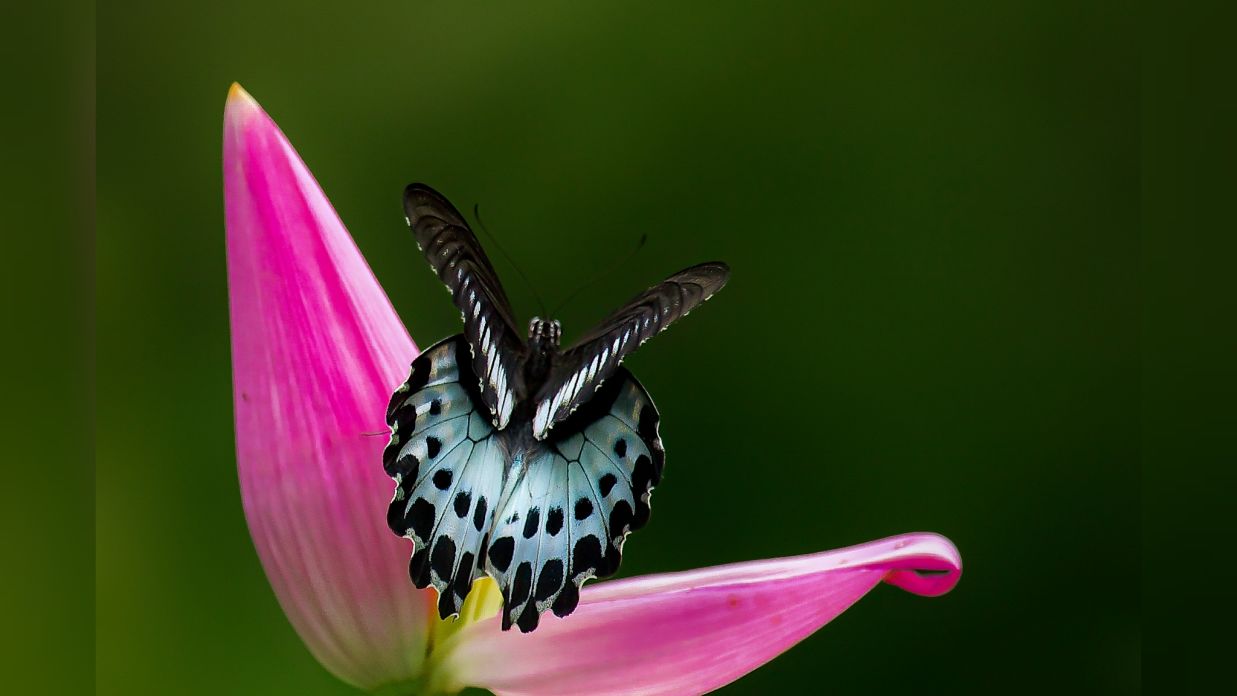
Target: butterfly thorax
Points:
x,y
543,347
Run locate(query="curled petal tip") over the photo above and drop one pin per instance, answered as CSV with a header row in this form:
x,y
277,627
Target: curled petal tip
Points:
x,y
928,564
695,631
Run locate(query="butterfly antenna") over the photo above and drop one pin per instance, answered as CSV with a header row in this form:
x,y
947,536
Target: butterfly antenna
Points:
x,y
608,272
476,213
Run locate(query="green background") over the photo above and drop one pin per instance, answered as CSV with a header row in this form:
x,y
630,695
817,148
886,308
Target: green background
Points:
x,y
933,321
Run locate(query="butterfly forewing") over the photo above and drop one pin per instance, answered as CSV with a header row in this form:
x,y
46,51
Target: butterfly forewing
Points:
x,y
584,367
489,324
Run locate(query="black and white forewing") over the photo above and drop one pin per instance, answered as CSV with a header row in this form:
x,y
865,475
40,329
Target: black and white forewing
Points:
x,y
582,369
449,469
489,324
564,520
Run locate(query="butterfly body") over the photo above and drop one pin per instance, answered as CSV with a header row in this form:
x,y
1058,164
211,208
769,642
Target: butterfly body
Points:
x,y
543,351
516,458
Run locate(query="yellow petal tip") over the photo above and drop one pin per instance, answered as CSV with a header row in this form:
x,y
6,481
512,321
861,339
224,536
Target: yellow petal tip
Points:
x,y
240,106
236,92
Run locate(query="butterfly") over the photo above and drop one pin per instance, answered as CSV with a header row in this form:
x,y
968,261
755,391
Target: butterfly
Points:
x,y
514,457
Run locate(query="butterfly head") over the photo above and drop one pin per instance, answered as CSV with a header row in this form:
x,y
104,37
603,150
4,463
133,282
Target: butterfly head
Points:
x,y
544,334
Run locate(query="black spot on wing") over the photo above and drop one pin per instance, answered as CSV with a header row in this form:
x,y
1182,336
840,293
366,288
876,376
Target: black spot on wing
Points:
x,y
606,483
405,467
648,422
620,518
506,612
463,501
584,508
586,555
421,518
433,446
549,580
531,522
389,453
500,553
478,515
396,519
463,577
419,569
481,553
442,558
446,604
567,600
436,407
529,618
620,447
610,561
401,428
641,515
442,479
418,376
522,585
403,419
554,521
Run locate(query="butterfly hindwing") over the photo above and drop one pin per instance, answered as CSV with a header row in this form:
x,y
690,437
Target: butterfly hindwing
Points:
x,y
565,518
489,324
449,470
583,368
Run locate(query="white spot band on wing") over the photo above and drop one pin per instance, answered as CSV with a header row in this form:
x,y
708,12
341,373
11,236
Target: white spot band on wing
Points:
x,y
541,419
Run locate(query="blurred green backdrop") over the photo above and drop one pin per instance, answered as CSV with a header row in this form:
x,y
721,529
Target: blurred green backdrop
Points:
x,y
931,211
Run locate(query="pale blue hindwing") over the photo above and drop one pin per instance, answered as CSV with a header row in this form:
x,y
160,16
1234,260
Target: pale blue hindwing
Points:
x,y
565,515
549,514
448,468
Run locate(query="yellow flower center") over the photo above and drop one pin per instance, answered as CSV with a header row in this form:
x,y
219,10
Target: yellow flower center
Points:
x,y
484,601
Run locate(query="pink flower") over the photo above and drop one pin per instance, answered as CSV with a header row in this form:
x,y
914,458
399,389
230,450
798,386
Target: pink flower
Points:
x,y
316,351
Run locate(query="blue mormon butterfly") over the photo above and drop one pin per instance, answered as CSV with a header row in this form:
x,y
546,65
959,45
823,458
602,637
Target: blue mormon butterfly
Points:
x,y
518,458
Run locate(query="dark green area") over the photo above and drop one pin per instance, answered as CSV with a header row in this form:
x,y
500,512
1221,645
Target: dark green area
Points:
x,y
46,301
933,323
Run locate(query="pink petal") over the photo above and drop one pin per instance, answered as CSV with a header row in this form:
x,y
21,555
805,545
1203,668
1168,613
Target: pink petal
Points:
x,y
698,630
316,351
